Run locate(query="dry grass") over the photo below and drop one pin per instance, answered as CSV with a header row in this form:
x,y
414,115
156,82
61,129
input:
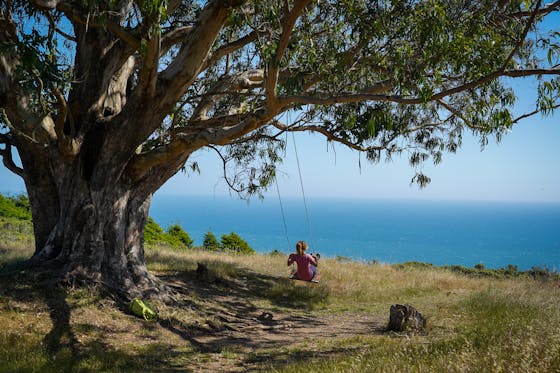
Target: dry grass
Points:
x,y
474,324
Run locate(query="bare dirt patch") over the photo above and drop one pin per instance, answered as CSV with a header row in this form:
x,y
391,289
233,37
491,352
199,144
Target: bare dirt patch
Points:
x,y
238,333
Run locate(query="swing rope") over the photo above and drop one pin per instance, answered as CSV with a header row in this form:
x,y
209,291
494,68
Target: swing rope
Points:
x,y
303,193
282,211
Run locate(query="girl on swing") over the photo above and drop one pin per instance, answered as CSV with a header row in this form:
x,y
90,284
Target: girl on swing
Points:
x,y
306,264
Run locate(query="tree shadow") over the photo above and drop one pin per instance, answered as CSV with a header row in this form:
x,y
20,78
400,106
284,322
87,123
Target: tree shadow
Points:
x,y
241,310
214,278
61,335
28,292
23,282
279,358
233,298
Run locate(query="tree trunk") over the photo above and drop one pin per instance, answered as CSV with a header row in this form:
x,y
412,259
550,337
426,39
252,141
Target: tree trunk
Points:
x,y
91,234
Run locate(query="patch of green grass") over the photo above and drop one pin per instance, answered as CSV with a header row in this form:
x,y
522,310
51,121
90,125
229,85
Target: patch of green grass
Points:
x,y
15,234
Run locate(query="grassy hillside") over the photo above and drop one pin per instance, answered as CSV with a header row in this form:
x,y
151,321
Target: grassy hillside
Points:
x,y
243,314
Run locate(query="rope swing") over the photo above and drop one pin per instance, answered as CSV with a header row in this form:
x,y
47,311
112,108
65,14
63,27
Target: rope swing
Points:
x,y
303,193
308,220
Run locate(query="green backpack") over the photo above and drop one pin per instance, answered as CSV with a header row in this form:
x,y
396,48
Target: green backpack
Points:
x,y
143,309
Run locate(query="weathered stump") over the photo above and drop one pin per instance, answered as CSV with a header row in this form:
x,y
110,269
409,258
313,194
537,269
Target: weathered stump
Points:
x,y
201,271
405,317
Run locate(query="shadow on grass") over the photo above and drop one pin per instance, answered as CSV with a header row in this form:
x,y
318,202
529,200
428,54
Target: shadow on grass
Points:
x,y
279,358
226,296
214,278
27,293
230,297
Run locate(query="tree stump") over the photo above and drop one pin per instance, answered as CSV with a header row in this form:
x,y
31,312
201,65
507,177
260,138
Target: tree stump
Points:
x,y
405,317
201,271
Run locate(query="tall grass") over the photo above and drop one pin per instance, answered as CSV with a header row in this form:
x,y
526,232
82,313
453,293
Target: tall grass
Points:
x,y
514,327
475,324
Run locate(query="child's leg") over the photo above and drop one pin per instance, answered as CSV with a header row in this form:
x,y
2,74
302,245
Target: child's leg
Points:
x,y
315,272
293,272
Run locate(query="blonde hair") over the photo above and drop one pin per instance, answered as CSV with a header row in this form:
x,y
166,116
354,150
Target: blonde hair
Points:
x,y
301,246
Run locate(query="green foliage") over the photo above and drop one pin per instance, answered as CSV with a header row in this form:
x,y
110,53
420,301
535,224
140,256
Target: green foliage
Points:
x,y
153,233
175,236
210,242
385,77
176,232
15,207
233,242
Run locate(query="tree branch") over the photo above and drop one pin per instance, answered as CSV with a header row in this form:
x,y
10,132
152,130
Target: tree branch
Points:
x,y
238,84
363,95
231,47
274,66
549,8
7,158
173,37
149,72
224,171
323,131
15,130
530,114
114,28
194,52
458,114
52,24
143,163
66,145
521,40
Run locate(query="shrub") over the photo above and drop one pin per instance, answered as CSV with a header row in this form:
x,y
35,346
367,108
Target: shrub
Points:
x,y
479,266
210,242
153,232
511,269
175,236
235,243
15,207
176,233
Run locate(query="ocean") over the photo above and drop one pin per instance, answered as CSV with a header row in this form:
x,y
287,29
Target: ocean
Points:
x,y
495,234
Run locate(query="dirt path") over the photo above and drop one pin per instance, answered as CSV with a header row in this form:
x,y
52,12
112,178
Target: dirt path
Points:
x,y
276,332
257,330
260,336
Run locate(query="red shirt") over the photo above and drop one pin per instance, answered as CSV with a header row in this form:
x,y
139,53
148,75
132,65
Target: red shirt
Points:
x,y
303,265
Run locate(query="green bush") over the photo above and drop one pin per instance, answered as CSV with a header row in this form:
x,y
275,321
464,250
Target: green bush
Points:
x,y
176,233
235,243
153,233
210,242
15,207
175,236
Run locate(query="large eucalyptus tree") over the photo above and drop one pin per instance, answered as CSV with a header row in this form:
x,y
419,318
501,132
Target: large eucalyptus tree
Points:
x,y
105,100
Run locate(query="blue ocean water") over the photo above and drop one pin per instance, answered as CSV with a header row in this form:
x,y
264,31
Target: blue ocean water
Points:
x,y
439,232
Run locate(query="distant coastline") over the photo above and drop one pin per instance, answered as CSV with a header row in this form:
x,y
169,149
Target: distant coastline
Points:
x,y
492,233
